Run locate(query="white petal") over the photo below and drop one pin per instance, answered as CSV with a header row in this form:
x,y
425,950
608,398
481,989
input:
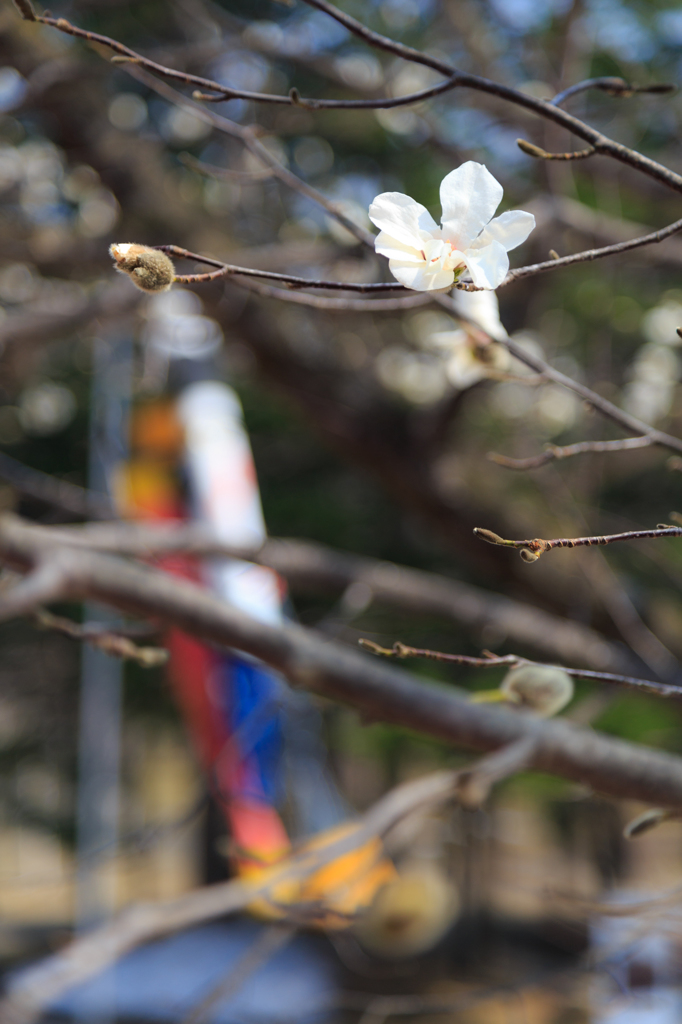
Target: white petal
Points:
x,y
402,218
481,308
488,266
469,196
509,229
391,247
418,277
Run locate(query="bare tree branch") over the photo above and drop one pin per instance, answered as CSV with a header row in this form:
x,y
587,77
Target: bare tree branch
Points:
x,y
269,941
412,301
105,640
309,566
624,419
543,108
401,650
588,255
612,86
248,136
33,483
337,672
476,783
226,270
553,452
41,985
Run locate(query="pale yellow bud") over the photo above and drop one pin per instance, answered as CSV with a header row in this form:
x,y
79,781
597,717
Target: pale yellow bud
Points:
x,y
543,689
410,914
148,269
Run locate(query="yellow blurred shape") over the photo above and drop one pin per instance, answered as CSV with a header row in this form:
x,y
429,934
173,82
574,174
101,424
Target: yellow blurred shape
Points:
x,y
409,914
331,895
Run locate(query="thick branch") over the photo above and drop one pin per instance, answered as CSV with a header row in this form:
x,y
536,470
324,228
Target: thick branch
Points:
x,y
378,691
309,566
41,985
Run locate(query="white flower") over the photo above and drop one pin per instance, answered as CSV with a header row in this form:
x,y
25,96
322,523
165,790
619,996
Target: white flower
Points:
x,y
426,257
470,357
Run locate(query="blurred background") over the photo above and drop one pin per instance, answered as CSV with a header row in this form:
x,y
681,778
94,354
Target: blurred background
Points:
x,y
369,433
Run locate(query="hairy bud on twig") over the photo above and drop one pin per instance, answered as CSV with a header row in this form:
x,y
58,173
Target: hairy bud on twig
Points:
x,y
488,535
410,914
543,689
528,556
147,268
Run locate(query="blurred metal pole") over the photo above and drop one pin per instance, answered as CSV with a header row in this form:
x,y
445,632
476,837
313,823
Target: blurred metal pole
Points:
x,y
99,741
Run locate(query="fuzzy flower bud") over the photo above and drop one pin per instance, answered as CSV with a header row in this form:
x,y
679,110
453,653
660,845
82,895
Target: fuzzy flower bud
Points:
x,y
410,914
540,688
148,269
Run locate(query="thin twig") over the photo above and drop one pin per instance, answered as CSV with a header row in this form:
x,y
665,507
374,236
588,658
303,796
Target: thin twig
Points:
x,y
612,86
541,154
532,549
307,565
624,419
412,301
268,942
553,451
476,783
378,691
219,93
103,639
41,985
224,173
227,269
588,255
248,136
543,108
456,78
52,491
401,650
383,103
